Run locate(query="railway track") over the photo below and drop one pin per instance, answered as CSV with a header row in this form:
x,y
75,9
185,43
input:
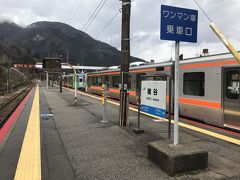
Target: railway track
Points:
x,y
7,108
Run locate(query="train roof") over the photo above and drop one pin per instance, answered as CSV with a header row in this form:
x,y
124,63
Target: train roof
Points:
x,y
215,57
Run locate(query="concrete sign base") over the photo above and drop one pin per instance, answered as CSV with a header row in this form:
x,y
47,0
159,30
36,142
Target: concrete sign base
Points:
x,y
175,159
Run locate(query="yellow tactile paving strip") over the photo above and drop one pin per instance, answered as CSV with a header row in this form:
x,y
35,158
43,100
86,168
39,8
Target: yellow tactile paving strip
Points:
x,y
194,128
29,162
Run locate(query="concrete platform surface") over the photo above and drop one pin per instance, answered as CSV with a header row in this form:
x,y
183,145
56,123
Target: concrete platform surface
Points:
x,y
106,151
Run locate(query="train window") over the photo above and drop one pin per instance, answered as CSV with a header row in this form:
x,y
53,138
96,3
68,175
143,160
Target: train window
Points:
x,y
90,81
160,69
106,79
233,84
194,83
129,82
99,81
95,81
115,81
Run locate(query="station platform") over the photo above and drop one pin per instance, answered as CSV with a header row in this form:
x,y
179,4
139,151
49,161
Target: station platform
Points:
x,y
53,138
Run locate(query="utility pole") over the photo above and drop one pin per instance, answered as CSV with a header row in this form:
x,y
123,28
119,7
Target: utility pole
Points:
x,y
67,56
125,60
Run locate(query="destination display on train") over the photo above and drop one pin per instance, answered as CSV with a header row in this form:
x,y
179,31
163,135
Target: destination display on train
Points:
x,y
178,24
153,97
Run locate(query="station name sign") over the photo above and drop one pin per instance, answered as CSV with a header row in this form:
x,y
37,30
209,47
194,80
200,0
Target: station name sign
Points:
x,y
153,98
178,24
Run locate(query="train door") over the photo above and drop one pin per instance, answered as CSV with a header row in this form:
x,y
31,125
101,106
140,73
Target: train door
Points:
x,y
80,81
231,97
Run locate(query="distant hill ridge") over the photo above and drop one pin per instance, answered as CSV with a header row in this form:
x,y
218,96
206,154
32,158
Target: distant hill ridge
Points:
x,y
49,39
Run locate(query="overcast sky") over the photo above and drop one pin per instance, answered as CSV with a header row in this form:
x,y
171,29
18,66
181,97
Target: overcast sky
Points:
x,y
145,22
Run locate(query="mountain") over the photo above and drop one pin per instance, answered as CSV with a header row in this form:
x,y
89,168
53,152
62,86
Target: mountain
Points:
x,y
8,30
50,39
11,54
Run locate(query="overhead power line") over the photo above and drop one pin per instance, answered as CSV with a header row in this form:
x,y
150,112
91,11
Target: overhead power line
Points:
x,y
98,5
73,10
95,13
88,10
83,5
109,22
202,10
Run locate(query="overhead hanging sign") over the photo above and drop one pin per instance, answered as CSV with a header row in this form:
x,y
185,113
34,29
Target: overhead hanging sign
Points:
x,y
178,24
153,97
53,64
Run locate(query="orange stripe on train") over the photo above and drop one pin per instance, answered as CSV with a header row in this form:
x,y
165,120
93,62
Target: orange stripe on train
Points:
x,y
143,70
198,102
113,90
96,87
101,74
209,64
133,93
182,100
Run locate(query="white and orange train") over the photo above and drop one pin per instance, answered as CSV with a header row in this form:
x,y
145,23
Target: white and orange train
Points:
x,y
209,87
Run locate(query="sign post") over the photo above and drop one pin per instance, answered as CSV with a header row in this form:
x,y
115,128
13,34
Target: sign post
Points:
x,y
154,95
104,103
178,24
138,129
47,80
176,94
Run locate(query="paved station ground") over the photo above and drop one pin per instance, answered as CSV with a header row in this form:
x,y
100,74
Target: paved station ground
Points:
x,y
76,145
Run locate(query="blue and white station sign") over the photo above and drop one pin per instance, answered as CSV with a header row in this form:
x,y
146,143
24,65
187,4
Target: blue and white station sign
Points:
x,y
178,24
153,97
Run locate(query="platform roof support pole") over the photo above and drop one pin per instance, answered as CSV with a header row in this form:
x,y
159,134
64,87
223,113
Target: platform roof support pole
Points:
x,y
61,83
75,87
75,82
